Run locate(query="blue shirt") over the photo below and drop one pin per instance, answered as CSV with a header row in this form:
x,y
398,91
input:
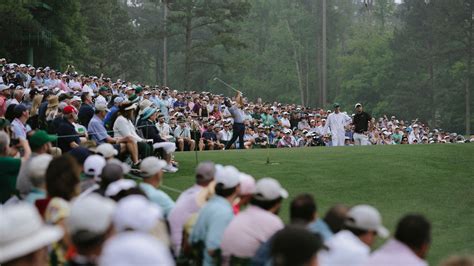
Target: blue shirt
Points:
x,y
34,195
159,197
97,130
110,114
237,113
319,226
213,219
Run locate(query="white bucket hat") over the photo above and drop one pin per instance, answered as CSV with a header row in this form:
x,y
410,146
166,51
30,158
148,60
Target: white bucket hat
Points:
x,y
22,231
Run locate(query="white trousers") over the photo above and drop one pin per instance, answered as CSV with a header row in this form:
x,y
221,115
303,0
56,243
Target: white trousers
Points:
x,y
361,139
338,138
169,147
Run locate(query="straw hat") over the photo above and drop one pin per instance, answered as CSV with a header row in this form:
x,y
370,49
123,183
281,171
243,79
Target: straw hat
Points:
x,y
53,101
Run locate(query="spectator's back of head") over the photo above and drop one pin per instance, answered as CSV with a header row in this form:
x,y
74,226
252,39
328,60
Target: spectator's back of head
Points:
x,y
303,209
295,245
414,230
62,178
336,217
205,173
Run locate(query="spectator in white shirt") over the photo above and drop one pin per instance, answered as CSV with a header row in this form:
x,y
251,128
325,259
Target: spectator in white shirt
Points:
x,y
285,121
182,133
352,245
164,128
410,245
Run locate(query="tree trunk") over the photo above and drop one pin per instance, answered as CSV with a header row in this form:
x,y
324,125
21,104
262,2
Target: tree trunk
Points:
x,y
165,43
297,63
187,60
307,79
323,61
468,76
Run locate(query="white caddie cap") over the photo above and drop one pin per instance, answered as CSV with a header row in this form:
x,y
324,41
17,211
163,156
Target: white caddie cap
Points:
x,y
247,184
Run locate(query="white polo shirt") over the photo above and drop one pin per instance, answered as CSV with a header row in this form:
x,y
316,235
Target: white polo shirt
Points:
x,y
344,249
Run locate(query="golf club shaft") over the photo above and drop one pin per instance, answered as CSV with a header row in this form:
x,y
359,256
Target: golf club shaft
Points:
x,y
227,85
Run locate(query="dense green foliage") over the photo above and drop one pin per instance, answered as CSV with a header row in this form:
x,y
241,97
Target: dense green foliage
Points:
x,y
411,60
435,180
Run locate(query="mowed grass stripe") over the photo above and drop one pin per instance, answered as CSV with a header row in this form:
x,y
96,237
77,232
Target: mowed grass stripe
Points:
x,y
436,180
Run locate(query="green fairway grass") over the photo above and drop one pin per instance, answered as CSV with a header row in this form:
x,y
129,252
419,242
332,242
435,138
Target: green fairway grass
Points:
x,y
435,180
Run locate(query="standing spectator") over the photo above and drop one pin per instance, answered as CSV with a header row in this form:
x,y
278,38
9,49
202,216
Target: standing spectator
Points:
x,y
361,121
216,215
257,223
335,124
152,173
187,204
351,246
86,112
410,245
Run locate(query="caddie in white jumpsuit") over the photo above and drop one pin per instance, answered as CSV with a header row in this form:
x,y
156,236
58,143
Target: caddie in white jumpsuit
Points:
x,y
335,123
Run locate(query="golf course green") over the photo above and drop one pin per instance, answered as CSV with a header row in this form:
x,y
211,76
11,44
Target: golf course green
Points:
x,y
435,180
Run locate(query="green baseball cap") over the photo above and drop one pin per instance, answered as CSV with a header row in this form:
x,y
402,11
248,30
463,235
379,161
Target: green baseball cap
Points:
x,y
336,105
103,88
138,89
40,138
133,98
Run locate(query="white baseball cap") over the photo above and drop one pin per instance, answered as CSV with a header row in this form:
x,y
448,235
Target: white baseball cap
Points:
x,y
38,166
268,188
135,248
137,213
366,217
107,150
92,213
151,165
101,106
247,184
228,175
357,105
93,165
115,187
22,231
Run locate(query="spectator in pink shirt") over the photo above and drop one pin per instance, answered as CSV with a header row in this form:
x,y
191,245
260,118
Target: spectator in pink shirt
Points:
x,y
187,204
256,224
410,245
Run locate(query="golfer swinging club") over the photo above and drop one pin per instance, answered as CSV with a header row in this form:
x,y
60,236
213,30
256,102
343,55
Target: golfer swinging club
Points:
x,y
238,129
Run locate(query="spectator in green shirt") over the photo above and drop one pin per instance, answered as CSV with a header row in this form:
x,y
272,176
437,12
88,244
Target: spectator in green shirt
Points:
x,y
10,165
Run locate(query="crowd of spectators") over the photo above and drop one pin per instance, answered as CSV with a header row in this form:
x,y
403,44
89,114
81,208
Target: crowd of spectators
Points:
x,y
82,161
